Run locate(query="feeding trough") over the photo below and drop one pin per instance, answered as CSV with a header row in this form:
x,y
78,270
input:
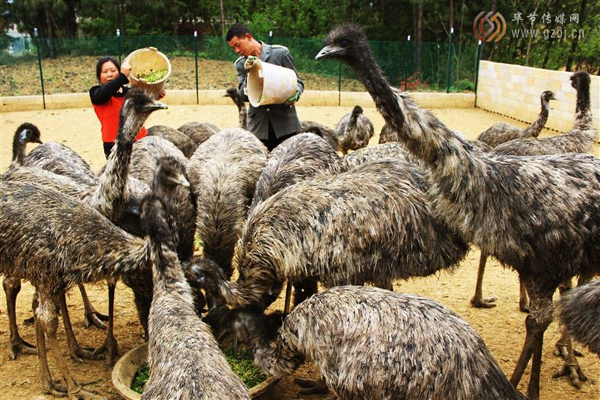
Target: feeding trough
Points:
x,y
125,369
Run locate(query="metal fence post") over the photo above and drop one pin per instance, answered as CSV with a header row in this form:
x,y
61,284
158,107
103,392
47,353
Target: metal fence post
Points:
x,y
119,47
39,54
478,59
340,83
196,57
406,56
449,60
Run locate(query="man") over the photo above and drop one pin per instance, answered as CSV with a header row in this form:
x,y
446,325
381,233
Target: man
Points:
x,y
273,123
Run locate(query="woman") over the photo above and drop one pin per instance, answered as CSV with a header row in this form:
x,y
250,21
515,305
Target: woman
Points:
x,y
107,98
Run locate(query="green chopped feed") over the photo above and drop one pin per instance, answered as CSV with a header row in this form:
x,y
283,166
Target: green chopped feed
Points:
x,y
242,365
153,76
140,378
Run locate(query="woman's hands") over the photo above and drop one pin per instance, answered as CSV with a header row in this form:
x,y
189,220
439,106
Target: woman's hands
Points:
x,y
126,69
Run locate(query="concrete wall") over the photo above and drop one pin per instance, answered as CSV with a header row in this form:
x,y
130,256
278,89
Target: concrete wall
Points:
x,y
514,91
215,97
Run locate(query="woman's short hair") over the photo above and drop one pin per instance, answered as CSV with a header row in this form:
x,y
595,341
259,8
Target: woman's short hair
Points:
x,y
101,62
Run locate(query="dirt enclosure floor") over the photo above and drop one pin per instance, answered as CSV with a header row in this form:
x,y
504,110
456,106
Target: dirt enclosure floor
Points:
x,y
502,327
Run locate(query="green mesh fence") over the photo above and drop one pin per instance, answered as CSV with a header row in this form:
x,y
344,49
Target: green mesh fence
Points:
x,y
68,65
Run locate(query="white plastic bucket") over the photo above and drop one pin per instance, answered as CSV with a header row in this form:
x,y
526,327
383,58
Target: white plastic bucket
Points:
x,y
146,61
270,84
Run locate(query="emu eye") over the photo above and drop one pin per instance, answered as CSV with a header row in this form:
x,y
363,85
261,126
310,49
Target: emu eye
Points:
x,y
344,42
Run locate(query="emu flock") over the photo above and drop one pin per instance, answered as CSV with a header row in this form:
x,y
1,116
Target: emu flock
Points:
x,y
303,215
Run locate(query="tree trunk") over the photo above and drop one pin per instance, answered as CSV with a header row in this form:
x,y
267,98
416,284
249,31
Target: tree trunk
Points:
x,y
576,39
222,6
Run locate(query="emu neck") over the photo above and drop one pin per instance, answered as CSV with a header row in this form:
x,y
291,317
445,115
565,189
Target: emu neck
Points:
x,y
583,114
243,116
166,270
112,192
535,129
385,99
18,149
420,131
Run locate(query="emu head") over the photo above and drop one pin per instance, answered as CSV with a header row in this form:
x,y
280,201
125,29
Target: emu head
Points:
x,y
346,42
580,79
357,110
547,96
169,174
138,104
27,133
232,92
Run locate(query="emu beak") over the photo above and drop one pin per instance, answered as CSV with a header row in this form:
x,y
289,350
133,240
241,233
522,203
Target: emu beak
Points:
x,y
156,105
181,180
329,51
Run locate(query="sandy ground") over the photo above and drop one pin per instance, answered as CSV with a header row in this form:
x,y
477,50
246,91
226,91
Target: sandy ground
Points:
x,y
502,327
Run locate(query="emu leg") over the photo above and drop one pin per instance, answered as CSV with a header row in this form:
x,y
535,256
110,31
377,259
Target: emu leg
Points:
x,y
92,317
523,300
288,299
526,352
478,301
16,344
47,320
47,384
564,347
110,347
76,351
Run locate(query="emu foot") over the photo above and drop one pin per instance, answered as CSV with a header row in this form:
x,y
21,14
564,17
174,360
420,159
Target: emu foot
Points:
x,y
79,354
478,302
96,319
574,372
310,386
561,350
78,393
29,321
108,350
55,388
20,346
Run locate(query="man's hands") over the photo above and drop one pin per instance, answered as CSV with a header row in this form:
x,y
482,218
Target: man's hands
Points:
x,y
292,99
250,61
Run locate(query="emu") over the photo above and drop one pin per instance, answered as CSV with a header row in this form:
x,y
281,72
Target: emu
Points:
x,y
371,343
331,229
184,358
199,132
548,232
354,130
234,94
178,138
85,247
502,132
580,139
223,174
109,196
579,311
